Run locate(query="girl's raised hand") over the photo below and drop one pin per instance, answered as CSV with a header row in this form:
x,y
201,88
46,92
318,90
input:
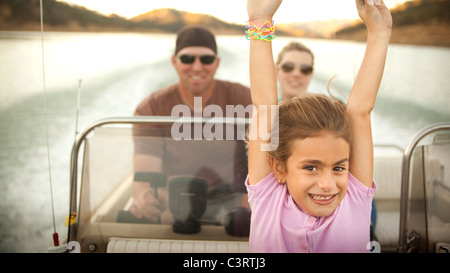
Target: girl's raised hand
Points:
x,y
375,15
262,10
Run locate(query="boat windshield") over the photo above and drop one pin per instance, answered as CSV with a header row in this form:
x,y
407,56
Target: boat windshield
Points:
x,y
429,196
197,180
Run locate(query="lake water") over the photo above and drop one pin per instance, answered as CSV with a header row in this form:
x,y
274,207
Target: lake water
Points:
x,y
118,70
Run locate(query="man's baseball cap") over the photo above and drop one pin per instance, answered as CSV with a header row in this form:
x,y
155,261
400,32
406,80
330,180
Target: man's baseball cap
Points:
x,y
195,36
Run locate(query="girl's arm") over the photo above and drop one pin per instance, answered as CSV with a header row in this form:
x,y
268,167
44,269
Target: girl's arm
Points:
x,y
263,85
378,21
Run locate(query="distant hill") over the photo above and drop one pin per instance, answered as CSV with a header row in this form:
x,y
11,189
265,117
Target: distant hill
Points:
x,y
316,29
60,16
171,20
417,22
422,22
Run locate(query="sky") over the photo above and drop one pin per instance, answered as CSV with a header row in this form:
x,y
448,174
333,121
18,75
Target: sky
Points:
x,y
234,11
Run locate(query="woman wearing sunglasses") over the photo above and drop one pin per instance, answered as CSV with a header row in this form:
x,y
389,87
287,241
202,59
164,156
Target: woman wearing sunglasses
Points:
x,y
295,65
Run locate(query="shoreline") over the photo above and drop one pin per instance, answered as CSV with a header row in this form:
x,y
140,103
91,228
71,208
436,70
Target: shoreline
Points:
x,y
433,34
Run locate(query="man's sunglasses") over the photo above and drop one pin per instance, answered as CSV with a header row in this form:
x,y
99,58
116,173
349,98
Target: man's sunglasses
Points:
x,y
304,68
190,59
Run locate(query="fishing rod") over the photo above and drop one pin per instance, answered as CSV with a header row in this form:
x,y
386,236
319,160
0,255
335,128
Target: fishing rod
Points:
x,y
56,248
72,218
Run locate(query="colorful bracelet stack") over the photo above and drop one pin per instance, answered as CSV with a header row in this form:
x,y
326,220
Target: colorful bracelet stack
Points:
x,y
264,32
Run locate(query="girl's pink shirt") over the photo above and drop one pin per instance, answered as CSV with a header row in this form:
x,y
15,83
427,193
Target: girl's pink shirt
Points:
x,y
279,225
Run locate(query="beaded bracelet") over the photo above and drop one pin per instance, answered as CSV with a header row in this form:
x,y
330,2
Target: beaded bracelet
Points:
x,y
264,32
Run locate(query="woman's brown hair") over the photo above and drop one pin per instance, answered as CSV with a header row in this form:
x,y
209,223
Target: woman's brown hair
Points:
x,y
294,46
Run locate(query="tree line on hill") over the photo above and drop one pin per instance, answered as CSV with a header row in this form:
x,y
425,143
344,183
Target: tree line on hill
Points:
x,y
25,15
414,12
61,16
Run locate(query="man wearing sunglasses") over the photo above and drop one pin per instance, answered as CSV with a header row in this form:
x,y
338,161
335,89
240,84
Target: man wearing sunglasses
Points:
x,y
195,61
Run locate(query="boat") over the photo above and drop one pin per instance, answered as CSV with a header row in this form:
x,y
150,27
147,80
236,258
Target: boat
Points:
x,y
412,202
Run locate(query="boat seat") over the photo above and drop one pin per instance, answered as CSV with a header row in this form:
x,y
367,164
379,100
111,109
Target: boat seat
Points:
x,y
387,230
127,245
387,175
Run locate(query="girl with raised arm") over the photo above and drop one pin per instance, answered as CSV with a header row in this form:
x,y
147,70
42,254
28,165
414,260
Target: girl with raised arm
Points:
x,y
313,191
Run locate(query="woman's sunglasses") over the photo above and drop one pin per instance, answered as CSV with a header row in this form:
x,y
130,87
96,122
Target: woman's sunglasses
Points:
x,y
190,59
304,68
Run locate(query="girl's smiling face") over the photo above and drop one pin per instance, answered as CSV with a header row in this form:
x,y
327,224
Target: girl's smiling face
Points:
x,y
316,173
